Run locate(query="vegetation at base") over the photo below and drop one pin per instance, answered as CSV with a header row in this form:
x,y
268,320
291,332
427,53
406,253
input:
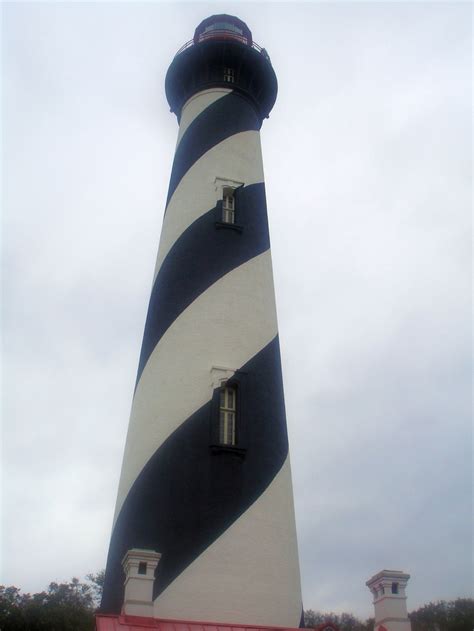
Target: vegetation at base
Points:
x,y
452,615
344,621
62,607
71,606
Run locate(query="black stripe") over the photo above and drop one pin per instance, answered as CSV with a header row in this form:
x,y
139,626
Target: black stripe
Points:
x,y
187,495
199,258
302,622
229,115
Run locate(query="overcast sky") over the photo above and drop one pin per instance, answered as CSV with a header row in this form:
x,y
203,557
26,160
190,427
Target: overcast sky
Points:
x,y
367,158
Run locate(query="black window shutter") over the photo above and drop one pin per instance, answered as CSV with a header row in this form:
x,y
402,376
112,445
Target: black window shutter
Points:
x,y
219,210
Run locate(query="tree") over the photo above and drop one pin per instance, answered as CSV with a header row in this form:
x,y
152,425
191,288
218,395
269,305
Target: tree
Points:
x,y
453,615
97,585
11,614
63,607
344,621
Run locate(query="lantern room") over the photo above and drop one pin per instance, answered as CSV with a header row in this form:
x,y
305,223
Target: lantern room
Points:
x,y
223,27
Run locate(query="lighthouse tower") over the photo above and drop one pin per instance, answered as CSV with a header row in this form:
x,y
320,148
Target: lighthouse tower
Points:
x,y
205,489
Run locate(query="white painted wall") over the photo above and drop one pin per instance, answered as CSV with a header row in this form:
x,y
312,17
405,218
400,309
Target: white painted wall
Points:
x,y
251,573
174,384
196,105
138,596
238,158
256,554
390,609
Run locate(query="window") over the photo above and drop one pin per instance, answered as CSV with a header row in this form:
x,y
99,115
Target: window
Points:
x,y
229,75
228,205
394,588
226,29
227,415
228,433
223,26
142,567
228,210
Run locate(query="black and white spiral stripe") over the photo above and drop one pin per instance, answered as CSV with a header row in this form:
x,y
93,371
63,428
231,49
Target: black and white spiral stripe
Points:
x,y
223,521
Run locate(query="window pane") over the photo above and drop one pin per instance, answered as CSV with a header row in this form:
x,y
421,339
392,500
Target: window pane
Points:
x,y
221,426
226,432
223,26
231,428
228,200
227,416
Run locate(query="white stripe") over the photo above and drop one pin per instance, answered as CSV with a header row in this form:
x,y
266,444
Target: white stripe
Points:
x,y
250,574
238,157
226,326
196,105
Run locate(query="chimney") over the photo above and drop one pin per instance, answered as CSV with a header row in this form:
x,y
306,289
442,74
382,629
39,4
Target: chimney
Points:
x,y
390,601
139,567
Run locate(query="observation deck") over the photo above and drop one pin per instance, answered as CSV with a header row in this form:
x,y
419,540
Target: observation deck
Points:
x,y
223,54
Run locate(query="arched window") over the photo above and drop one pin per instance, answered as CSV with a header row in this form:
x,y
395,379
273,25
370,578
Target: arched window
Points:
x,y
227,415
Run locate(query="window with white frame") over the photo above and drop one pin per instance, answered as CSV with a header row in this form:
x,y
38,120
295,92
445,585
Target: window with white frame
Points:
x,y
228,205
227,415
229,75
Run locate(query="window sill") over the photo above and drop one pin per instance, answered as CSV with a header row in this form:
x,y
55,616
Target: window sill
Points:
x,y
232,226
231,449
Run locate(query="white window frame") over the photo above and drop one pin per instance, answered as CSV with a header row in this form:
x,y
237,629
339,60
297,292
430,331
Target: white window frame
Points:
x,y
227,415
220,376
225,190
228,205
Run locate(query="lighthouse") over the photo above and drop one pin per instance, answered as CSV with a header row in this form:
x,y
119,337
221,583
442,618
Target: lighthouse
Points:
x,y
204,526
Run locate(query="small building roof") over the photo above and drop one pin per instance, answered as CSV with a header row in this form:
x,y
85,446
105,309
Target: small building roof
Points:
x,y
107,622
